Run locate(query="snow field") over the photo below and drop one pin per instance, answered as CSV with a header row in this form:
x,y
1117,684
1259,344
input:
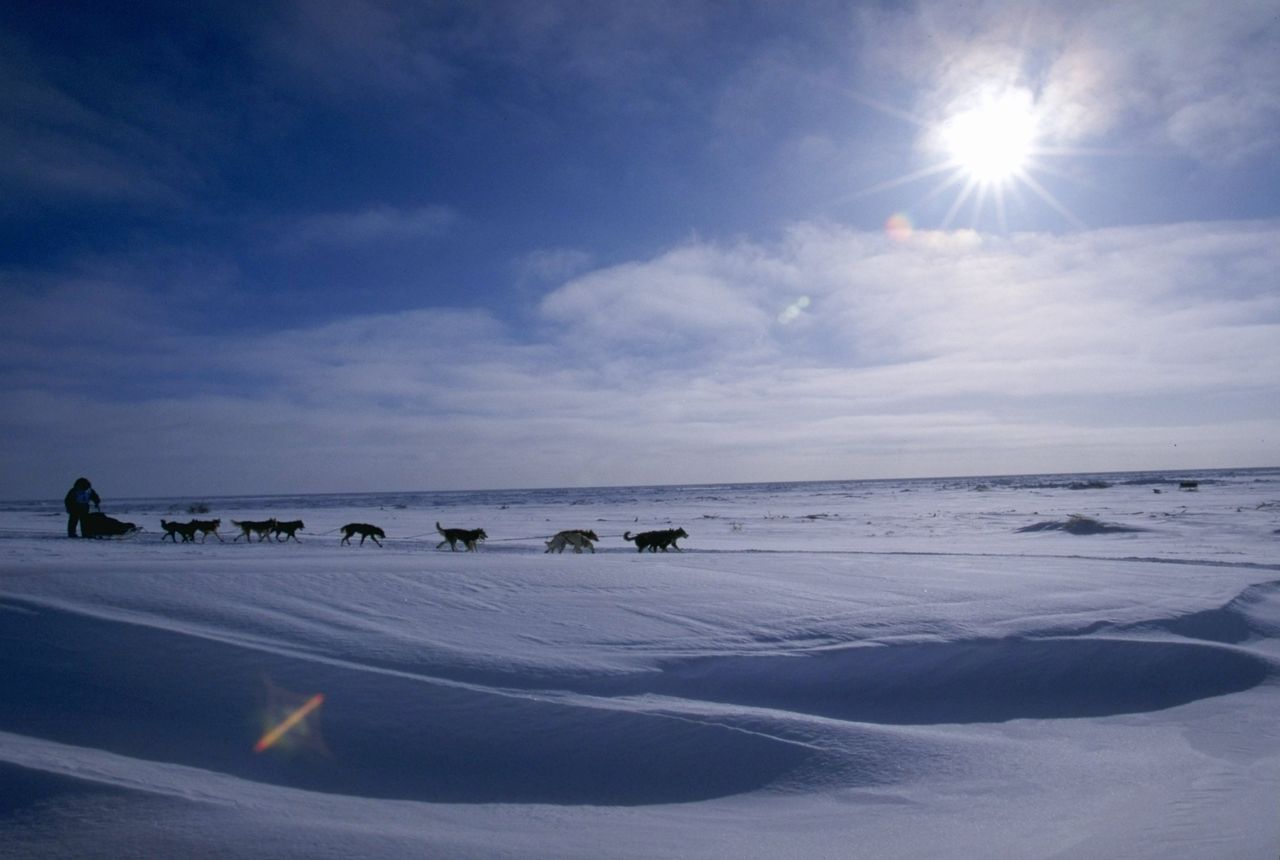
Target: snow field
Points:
x,y
796,683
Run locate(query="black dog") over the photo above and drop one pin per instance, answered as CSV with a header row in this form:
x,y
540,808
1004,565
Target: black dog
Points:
x,y
288,529
172,531
364,530
205,527
468,537
659,540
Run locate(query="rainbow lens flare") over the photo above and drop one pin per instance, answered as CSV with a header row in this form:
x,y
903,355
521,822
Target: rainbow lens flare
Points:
x,y
899,227
296,716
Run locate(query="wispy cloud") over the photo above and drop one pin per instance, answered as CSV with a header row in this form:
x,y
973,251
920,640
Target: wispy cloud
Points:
x,y
371,226
55,145
690,299
353,50
461,244
432,53
551,265
907,357
1184,76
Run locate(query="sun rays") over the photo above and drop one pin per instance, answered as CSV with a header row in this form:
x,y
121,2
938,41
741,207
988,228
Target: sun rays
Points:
x,y
991,150
986,152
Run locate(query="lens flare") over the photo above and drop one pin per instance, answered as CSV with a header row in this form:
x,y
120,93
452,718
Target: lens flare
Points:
x,y
987,144
793,311
898,227
298,715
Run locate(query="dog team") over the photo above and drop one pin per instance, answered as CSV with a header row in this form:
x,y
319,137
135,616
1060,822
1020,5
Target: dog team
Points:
x,y
283,530
81,497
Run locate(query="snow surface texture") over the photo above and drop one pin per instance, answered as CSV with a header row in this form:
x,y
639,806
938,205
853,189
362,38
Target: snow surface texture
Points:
x,y
962,668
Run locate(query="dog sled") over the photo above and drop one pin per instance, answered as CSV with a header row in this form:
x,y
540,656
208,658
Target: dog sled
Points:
x,y
99,525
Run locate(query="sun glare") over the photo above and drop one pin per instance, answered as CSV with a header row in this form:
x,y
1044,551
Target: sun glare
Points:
x,y
988,148
992,143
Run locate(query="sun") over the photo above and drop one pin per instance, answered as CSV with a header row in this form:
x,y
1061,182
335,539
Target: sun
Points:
x,y
992,143
989,145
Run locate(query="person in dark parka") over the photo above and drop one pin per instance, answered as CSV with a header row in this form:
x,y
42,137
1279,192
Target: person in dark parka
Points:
x,y
77,502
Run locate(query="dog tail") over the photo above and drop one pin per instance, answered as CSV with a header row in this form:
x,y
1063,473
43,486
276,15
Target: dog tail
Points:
x,y
627,535
438,528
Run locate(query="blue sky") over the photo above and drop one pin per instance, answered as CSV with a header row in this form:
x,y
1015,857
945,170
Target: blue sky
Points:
x,y
298,247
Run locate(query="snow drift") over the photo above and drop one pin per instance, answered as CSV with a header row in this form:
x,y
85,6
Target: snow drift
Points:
x,y
889,665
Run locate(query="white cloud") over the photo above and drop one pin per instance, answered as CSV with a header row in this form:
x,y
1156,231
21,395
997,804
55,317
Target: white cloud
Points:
x,y
691,298
949,353
1191,76
52,143
353,49
1192,70
552,265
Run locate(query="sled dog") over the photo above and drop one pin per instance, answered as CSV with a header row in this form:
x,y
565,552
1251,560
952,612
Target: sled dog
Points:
x,y
207,527
172,531
289,529
364,530
576,538
261,528
659,540
468,537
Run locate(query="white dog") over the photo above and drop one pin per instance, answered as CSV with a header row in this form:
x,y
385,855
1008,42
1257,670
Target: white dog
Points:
x,y
576,538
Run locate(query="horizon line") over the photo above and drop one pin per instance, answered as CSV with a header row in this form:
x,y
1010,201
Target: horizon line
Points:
x,y
1000,476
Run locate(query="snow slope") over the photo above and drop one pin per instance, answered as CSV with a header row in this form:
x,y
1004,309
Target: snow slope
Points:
x,y
884,669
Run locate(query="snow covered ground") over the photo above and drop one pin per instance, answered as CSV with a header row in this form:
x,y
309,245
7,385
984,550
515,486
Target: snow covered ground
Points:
x,y
878,669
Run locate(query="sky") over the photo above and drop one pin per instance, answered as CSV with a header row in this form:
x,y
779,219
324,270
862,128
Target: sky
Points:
x,y
370,246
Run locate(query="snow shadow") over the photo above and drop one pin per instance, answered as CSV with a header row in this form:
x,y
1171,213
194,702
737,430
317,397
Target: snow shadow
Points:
x,y
1078,525
22,787
1242,619
164,695
976,681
